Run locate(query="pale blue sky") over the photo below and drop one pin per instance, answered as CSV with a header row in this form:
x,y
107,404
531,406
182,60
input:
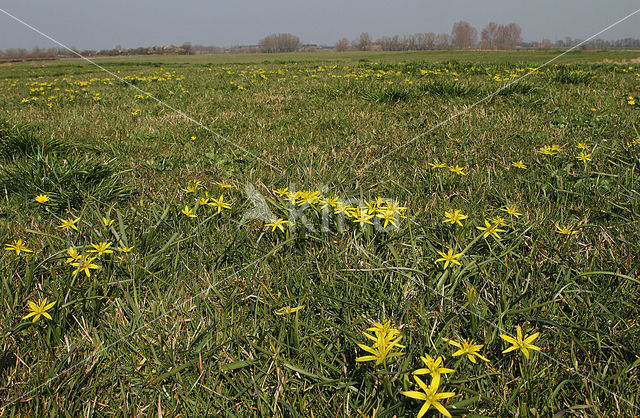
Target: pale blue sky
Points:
x,y
92,24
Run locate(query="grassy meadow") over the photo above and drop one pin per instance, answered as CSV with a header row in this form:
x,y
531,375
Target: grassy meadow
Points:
x,y
286,255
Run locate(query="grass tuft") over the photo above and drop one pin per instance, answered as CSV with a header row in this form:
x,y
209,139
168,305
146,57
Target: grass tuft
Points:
x,y
69,181
17,141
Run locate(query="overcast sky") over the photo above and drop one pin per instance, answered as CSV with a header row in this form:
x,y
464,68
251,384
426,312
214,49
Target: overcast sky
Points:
x,y
92,24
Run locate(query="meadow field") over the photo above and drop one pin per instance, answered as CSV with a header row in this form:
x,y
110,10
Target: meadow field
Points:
x,y
325,235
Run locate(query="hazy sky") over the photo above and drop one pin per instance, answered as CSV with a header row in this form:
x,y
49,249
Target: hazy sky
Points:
x,y
93,24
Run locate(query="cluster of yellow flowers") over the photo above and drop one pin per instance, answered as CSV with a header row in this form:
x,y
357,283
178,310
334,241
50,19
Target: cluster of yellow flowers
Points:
x,y
72,88
454,169
369,71
491,228
386,210
82,263
386,339
555,149
205,200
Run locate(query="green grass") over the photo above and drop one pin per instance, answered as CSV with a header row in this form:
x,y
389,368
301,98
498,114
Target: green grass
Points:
x,y
185,324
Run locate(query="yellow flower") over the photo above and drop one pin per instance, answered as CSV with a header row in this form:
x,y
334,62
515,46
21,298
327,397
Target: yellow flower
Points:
x,y
430,396
468,348
372,206
288,310
278,223
124,249
341,208
511,210
433,367
39,309
192,188
490,230
519,164
498,220
282,192
584,157
85,264
42,198
326,202
69,223
458,170
581,146
292,197
219,203
388,217
308,196
449,257
393,207
18,247
521,343
362,217
188,212
193,137
107,222
223,184
454,217
101,248
386,339
547,150
437,164
565,230
74,255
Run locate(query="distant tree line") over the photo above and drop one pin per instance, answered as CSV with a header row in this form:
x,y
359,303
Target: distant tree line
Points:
x,y
282,42
463,36
50,53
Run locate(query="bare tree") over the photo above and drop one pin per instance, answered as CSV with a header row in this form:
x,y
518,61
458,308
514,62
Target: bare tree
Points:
x,y
508,37
342,45
282,42
393,43
364,42
430,40
463,35
442,41
514,35
489,35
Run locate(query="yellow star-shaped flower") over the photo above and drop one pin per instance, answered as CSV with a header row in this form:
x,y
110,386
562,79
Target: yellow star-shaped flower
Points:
x,y
522,343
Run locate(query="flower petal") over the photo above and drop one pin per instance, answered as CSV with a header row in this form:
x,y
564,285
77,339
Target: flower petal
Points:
x,y
420,383
424,409
442,409
508,339
415,395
